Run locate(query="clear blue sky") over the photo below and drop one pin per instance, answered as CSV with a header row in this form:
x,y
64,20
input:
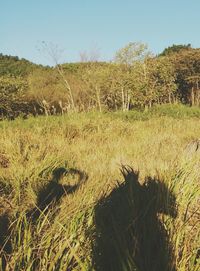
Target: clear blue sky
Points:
x,y
78,25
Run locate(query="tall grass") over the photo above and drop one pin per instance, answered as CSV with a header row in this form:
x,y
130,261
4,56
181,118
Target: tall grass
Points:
x,y
63,236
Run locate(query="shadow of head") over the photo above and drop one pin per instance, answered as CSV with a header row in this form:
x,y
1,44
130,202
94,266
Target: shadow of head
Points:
x,y
47,196
151,197
128,231
159,197
55,190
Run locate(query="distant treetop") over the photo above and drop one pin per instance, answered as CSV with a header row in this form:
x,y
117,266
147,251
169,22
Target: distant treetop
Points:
x,y
175,49
13,65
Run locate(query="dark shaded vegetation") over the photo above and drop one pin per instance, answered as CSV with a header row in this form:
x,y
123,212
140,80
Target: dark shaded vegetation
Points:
x,y
5,239
130,234
4,161
5,222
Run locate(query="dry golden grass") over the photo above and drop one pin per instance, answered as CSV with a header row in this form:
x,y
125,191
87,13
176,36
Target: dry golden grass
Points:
x,y
98,144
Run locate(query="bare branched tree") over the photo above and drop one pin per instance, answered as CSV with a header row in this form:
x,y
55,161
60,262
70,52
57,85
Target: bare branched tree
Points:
x,y
55,53
92,55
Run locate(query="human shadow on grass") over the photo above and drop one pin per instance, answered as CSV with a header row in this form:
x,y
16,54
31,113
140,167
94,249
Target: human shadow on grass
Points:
x,y
5,210
5,242
48,197
129,235
51,194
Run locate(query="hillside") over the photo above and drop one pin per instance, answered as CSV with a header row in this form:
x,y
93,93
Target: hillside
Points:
x,y
14,66
134,80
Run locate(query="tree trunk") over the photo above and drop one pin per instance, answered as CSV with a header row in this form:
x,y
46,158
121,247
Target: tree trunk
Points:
x,y
192,97
98,99
60,71
128,102
45,106
169,98
123,100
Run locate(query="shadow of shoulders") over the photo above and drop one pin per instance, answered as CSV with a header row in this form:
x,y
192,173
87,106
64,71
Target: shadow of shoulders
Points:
x,y
129,234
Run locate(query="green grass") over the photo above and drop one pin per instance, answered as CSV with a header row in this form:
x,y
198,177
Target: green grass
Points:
x,y
64,235
178,111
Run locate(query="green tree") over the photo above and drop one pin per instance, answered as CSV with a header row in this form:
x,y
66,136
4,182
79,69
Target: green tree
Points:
x,y
143,79
175,49
131,53
96,79
187,68
13,66
130,57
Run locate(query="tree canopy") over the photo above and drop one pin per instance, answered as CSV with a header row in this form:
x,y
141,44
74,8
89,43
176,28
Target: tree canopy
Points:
x,y
135,78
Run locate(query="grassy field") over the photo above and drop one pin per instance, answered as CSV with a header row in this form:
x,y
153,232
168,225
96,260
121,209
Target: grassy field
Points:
x,y
70,201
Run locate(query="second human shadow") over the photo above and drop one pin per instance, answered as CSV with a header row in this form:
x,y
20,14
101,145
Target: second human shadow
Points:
x,y
129,235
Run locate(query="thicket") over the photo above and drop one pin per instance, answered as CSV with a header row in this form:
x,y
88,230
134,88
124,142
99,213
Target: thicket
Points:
x,y
135,79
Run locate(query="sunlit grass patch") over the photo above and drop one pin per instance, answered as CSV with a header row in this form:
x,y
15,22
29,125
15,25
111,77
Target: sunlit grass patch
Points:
x,y
63,235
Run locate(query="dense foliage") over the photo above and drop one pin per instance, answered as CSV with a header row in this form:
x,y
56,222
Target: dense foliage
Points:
x,y
175,49
135,79
12,65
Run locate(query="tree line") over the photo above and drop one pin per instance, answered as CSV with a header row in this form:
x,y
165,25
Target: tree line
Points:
x,y
134,79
